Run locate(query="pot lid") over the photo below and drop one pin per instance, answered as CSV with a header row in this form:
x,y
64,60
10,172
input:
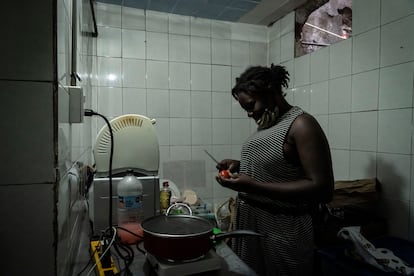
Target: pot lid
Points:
x,y
177,225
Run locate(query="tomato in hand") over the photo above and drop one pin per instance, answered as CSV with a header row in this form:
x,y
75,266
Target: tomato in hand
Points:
x,y
225,173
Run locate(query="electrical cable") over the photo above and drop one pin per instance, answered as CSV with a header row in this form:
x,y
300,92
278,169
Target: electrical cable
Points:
x,y
89,262
106,250
90,112
128,258
139,249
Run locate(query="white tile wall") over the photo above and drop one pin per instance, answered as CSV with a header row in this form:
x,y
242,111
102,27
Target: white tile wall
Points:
x,y
258,53
221,131
396,45
365,51
162,128
109,42
133,44
395,10
156,21
340,57
302,70
319,65
274,31
221,78
179,48
364,128
396,86
157,46
221,51
339,130
200,26
180,103
200,49
289,65
134,101
220,29
394,131
340,95
133,18
180,77
200,104
363,164
240,53
274,49
108,15
178,24
287,23
200,77
340,164
302,97
157,74
287,42
365,91
365,15
323,122
158,103
109,71
239,32
319,98
257,33
180,132
221,105
110,101
133,73
201,131
180,153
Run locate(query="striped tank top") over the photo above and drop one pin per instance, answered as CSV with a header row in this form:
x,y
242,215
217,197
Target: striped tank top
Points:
x,y
287,248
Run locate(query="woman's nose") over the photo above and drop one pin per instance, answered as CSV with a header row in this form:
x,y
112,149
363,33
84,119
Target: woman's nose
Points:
x,y
249,114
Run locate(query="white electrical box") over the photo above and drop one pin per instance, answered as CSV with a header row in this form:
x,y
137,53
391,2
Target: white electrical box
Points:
x,y
76,104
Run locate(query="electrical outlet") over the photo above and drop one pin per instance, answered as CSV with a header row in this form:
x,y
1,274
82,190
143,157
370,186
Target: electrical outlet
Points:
x,y
76,104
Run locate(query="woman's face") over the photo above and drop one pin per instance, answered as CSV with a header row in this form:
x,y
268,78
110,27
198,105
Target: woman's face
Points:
x,y
254,105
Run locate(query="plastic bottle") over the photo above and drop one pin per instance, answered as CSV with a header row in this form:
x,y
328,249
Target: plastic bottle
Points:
x,y
165,196
130,208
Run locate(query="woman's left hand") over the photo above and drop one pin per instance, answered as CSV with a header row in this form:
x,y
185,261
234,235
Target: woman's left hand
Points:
x,y
237,181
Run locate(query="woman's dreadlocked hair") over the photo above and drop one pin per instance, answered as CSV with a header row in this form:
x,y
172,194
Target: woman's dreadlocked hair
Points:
x,y
259,79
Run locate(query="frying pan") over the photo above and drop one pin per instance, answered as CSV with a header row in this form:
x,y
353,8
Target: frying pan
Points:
x,y
183,237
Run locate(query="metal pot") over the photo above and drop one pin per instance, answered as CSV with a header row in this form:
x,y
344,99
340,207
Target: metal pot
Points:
x,y
182,237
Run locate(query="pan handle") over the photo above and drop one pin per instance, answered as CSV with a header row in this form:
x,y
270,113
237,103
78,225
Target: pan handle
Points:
x,y
178,204
237,233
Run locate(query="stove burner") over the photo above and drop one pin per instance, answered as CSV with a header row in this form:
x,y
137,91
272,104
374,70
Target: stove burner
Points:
x,y
209,262
183,261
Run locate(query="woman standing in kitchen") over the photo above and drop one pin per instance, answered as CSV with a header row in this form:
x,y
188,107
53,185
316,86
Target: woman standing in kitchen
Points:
x,y
284,172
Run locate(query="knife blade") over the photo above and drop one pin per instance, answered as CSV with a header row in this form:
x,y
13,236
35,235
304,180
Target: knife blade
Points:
x,y
212,157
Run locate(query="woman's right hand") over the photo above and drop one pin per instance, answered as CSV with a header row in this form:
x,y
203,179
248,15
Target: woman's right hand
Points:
x,y
229,164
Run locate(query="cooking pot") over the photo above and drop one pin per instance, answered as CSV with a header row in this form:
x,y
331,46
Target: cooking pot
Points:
x,y
183,237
